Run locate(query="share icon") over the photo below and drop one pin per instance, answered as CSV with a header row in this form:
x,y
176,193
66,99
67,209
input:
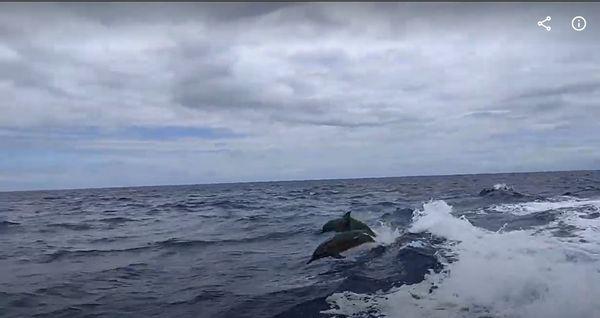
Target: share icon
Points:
x,y
541,23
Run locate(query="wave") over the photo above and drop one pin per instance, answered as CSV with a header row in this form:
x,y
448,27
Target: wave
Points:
x,y
385,204
541,206
400,217
131,271
235,204
72,226
581,191
386,233
62,254
191,205
502,190
108,239
362,196
523,273
256,217
169,243
9,226
8,223
65,290
50,198
116,220
174,242
206,295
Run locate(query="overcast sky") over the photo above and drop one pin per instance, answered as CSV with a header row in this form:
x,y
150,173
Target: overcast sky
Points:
x,y
98,95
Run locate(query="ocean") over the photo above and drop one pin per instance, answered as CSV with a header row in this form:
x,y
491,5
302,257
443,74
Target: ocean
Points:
x,y
489,245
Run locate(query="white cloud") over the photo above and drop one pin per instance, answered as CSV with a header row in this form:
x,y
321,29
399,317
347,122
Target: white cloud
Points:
x,y
366,89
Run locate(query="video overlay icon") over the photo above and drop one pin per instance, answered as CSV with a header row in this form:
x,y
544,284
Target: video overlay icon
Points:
x,y
541,23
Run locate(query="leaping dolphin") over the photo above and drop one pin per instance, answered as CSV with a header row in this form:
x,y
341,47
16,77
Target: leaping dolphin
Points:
x,y
339,243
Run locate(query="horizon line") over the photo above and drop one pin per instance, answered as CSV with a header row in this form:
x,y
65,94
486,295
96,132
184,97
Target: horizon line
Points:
x,y
295,180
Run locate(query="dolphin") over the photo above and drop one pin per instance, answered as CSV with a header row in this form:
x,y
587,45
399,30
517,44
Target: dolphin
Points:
x,y
339,243
347,223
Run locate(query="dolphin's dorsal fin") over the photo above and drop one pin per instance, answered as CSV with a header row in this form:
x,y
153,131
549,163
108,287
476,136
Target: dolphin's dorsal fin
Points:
x,y
347,221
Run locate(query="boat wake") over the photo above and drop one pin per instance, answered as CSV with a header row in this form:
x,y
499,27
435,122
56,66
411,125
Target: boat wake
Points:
x,y
520,273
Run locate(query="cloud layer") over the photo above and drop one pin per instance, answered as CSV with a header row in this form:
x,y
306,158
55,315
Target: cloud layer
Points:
x,y
115,94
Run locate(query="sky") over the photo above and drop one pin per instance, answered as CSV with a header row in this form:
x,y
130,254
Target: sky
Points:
x,y
124,94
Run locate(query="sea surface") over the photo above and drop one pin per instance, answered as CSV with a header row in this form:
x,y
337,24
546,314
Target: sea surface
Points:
x,y
495,245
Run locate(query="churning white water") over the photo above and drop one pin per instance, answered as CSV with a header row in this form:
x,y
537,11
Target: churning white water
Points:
x,y
525,273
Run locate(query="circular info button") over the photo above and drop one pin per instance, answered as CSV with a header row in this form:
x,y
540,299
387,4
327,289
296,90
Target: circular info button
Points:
x,y
578,23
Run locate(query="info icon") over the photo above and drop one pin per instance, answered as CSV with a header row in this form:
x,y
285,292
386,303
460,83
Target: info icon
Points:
x,y
578,23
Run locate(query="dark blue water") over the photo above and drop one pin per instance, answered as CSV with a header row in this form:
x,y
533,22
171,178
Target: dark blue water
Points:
x,y
240,250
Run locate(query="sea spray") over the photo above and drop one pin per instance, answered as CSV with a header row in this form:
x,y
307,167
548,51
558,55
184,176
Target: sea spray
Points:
x,y
498,274
386,233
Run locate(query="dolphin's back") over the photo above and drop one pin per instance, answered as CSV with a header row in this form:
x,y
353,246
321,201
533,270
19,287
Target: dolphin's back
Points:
x,y
347,224
358,225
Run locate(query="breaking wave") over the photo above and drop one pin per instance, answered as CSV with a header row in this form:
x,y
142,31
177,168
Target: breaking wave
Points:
x,y
501,190
386,233
522,273
541,206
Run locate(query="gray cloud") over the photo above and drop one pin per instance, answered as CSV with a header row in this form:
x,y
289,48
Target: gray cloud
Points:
x,y
316,90
559,89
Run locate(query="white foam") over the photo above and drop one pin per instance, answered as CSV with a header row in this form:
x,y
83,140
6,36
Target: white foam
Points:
x,y
527,273
540,206
502,186
417,244
386,233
